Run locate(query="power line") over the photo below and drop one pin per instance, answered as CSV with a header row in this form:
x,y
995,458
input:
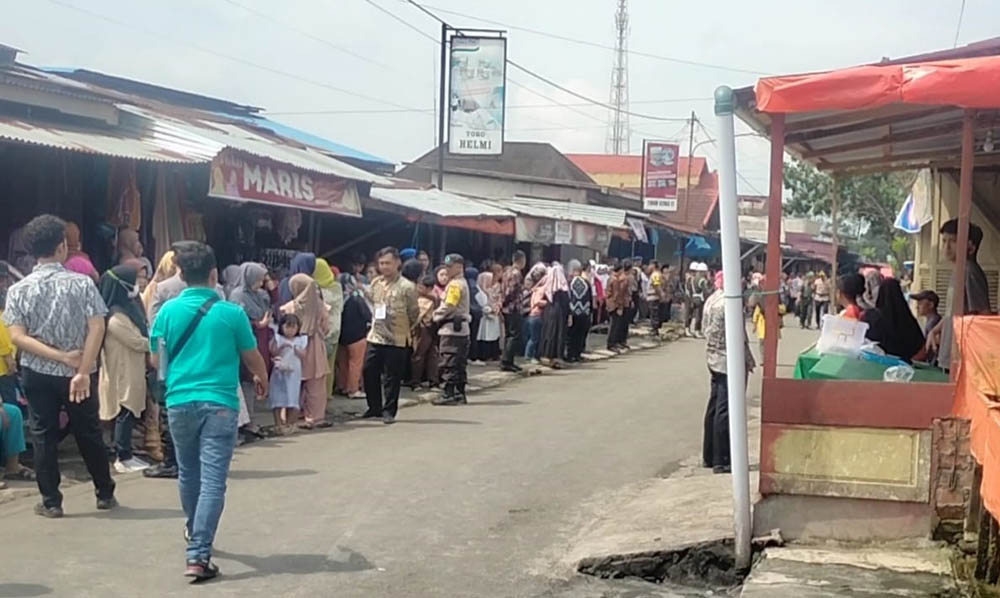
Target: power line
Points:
x,y
403,21
738,173
586,42
522,68
508,107
958,28
300,31
229,57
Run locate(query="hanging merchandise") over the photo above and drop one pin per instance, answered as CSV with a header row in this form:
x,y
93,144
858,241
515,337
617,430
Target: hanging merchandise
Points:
x,y
289,223
124,204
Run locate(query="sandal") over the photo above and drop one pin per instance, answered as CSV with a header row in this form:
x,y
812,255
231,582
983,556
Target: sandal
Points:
x,y
323,424
22,475
306,426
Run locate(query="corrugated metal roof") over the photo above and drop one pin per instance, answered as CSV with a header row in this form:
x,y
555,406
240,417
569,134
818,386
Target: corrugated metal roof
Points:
x,y
90,141
337,149
204,139
440,203
564,210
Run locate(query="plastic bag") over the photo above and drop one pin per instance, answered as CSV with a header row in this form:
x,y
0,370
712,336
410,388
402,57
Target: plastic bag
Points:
x,y
898,373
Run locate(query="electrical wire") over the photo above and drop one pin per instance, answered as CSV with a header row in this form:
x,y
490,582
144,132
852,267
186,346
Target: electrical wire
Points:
x,y
712,140
586,42
229,57
958,28
272,19
508,107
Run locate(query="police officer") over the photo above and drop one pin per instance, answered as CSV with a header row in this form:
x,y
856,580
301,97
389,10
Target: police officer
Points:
x,y
453,316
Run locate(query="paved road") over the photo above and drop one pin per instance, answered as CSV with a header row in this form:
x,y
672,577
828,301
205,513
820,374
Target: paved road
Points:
x,y
461,501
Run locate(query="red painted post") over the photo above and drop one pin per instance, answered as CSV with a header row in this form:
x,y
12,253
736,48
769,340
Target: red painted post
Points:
x,y
964,214
773,265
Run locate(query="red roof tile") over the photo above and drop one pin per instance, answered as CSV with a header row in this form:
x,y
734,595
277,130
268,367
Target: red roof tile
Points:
x,y
611,164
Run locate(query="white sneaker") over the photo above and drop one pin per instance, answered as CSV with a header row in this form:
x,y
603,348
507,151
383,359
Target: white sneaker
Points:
x,y
130,465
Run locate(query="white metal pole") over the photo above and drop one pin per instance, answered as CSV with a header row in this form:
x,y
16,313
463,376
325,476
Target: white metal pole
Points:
x,y
735,326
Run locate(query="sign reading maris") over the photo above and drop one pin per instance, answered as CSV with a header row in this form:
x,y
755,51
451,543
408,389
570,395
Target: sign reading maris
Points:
x,y
242,177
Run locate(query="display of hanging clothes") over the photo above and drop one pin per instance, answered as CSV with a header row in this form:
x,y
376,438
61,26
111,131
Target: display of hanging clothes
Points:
x,y
289,223
124,200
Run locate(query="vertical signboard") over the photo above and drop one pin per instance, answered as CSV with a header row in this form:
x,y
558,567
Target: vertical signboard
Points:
x,y
659,176
476,96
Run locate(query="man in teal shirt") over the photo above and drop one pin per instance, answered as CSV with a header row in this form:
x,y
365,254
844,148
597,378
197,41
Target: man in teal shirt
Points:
x,y
204,341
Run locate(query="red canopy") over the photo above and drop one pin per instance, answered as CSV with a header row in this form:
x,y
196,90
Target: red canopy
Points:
x,y
966,83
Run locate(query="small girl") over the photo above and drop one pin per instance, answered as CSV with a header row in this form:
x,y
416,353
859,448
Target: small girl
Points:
x,y
287,349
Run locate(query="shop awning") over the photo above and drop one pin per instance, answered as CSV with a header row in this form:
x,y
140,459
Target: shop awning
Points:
x,y
444,208
966,83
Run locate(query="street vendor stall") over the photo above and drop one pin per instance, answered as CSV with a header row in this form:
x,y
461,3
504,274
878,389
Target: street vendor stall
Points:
x,y
845,455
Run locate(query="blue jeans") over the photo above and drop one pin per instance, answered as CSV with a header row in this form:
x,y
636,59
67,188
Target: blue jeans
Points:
x,y
124,423
534,337
204,436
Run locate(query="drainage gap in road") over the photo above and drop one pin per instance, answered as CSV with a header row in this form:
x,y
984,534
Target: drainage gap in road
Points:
x,y
709,565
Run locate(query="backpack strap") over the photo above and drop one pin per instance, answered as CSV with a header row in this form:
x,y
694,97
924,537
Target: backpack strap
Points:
x,y
192,325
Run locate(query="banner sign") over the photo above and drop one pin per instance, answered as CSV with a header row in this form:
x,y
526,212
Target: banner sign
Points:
x,y
659,176
477,94
244,177
561,232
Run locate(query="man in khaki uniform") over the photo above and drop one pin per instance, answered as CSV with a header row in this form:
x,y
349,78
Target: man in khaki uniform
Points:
x,y
394,314
453,316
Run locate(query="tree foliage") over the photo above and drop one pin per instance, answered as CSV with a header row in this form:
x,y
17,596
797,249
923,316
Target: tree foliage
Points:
x,y
872,200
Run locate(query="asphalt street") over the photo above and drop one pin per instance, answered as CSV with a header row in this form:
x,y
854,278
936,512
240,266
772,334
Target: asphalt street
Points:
x,y
478,500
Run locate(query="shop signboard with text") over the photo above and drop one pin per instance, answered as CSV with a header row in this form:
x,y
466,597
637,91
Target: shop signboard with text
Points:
x,y
243,177
476,96
543,231
659,176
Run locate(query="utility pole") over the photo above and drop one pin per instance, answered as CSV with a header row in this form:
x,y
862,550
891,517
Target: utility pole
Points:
x,y
619,133
687,181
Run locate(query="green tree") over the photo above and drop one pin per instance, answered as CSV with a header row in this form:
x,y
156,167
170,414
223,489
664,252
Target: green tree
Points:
x,y
872,200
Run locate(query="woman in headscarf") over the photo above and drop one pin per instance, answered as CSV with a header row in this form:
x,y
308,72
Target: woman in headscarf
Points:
x,y
122,378
412,270
476,311
873,280
488,336
581,301
333,296
440,281
309,307
164,270
230,279
249,294
891,323
302,263
355,320
555,316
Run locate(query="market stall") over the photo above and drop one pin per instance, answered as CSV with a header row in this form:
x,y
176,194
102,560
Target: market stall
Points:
x,y
845,455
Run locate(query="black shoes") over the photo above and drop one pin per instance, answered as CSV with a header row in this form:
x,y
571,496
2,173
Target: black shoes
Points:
x,y
48,512
510,367
161,471
722,469
369,414
388,418
106,504
201,571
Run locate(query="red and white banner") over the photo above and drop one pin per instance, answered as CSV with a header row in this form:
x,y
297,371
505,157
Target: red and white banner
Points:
x,y
243,177
659,176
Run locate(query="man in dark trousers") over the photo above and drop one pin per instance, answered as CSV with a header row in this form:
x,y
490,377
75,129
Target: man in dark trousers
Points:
x,y
512,289
454,316
56,319
395,315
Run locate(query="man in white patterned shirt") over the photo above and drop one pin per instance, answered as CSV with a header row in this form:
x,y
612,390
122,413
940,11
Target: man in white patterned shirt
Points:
x,y
56,320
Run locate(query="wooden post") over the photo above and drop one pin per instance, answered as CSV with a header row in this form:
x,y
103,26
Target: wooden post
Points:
x,y
773,266
835,218
983,544
992,562
964,214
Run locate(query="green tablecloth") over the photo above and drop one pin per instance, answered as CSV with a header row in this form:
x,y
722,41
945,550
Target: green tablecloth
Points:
x,y
813,366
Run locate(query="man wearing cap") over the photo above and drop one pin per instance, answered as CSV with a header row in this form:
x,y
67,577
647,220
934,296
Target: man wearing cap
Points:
x,y
927,308
454,316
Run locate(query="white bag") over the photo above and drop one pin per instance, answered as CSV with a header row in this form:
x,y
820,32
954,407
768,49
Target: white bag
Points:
x,y
841,336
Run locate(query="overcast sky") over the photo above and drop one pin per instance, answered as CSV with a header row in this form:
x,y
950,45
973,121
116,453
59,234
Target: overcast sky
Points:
x,y
292,56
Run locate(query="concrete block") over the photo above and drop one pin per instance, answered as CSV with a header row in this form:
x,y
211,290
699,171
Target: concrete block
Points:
x,y
802,518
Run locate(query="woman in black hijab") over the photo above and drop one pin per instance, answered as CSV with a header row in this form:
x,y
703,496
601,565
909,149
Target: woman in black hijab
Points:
x,y
891,323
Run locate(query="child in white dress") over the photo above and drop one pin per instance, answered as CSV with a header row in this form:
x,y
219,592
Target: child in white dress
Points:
x,y
288,348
